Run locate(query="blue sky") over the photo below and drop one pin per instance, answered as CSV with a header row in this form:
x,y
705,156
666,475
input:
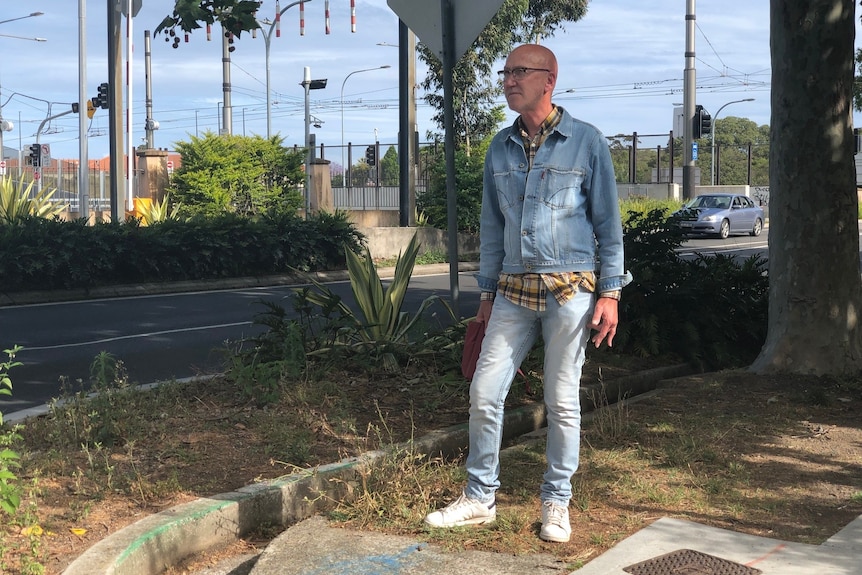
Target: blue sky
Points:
x,y
624,62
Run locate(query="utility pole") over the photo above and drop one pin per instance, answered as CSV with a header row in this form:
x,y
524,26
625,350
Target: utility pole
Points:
x,y
689,100
115,110
407,151
83,151
227,108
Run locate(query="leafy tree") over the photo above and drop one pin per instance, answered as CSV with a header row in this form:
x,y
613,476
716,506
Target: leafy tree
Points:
x,y
475,85
733,138
814,289
389,168
237,174
857,84
620,146
236,16
361,174
468,185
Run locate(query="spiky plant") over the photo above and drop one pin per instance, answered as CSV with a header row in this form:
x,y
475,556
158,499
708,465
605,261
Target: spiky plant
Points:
x,y
18,201
160,211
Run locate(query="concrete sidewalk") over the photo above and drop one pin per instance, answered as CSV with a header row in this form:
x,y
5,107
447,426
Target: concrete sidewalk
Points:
x,y
312,547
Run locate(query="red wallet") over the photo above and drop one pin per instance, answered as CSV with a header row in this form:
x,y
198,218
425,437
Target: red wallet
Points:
x,y
472,346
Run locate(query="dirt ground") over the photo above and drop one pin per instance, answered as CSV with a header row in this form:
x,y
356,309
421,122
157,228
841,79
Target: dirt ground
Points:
x,y
774,456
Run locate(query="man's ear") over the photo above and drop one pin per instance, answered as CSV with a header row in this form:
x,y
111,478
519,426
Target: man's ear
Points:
x,y
550,82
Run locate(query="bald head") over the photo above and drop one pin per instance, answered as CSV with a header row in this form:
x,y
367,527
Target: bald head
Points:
x,y
538,57
529,93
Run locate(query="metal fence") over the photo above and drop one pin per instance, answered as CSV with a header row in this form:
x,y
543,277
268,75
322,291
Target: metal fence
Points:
x,y
62,176
375,187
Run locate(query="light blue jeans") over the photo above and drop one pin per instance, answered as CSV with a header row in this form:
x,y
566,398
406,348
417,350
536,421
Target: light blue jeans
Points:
x,y
509,335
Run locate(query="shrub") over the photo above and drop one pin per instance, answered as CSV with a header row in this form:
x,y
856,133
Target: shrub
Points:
x,y
53,254
711,310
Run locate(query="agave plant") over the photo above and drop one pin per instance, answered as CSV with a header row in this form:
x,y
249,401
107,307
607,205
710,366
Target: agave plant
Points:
x,y
381,322
160,211
18,201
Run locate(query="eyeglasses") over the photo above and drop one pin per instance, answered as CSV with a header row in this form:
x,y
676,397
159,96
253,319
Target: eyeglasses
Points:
x,y
518,73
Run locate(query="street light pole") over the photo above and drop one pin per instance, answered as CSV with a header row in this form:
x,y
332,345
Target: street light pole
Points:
x,y
309,84
343,167
30,15
712,136
266,38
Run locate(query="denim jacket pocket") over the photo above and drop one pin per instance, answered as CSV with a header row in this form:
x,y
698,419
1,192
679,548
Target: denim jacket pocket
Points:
x,y
510,186
563,188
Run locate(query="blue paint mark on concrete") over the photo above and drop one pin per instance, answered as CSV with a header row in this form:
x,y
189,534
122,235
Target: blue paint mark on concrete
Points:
x,y
389,564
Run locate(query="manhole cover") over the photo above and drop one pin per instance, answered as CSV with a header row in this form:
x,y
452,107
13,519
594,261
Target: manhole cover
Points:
x,y
688,562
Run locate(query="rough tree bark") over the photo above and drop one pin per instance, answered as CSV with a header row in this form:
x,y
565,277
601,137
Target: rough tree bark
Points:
x,y
815,292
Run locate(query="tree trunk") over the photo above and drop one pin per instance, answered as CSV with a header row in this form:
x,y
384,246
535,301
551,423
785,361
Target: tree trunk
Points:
x,y
815,292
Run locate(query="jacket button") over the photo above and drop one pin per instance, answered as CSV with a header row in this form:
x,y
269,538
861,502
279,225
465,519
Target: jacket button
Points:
x,y
524,233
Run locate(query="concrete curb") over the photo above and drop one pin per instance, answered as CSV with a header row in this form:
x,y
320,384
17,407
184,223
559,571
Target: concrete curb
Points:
x,y
153,544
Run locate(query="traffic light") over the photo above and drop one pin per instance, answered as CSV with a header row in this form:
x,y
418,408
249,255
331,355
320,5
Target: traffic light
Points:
x,y
103,96
702,123
695,122
371,155
705,123
35,154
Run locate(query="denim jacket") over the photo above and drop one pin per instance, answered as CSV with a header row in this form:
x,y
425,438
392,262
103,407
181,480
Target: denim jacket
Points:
x,y
562,215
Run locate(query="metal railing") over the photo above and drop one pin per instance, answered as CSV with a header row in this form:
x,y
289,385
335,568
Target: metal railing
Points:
x,y
64,180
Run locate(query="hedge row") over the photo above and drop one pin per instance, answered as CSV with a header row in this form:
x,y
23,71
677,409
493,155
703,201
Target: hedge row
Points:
x,y
42,254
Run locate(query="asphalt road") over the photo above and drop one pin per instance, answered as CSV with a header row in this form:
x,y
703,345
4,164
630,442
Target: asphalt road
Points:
x,y
158,337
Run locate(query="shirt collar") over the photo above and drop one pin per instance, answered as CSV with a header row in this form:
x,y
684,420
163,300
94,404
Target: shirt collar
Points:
x,y
547,126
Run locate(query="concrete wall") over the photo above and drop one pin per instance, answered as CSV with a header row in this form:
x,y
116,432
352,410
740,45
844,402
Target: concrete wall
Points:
x,y
742,190
655,191
374,218
388,242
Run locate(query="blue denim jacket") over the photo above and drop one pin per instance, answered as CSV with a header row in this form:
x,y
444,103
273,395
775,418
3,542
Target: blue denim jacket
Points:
x,y
562,215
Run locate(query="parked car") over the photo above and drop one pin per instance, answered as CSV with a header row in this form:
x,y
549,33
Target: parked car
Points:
x,y
721,215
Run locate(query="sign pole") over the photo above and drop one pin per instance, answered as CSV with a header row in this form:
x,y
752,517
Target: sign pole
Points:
x,y
448,25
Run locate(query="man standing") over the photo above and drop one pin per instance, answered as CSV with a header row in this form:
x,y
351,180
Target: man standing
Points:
x,y
551,260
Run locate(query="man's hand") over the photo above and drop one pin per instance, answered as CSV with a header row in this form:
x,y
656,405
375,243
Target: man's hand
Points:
x,y
604,321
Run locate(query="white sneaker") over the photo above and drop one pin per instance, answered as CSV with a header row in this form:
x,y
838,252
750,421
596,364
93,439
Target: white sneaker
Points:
x,y
555,523
463,511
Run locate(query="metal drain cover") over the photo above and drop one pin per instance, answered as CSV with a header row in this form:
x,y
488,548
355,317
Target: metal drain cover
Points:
x,y
688,562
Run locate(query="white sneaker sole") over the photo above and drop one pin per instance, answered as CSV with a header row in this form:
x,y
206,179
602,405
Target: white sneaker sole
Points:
x,y
475,521
553,539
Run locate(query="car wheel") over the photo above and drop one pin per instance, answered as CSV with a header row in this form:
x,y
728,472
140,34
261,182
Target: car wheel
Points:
x,y
724,230
758,227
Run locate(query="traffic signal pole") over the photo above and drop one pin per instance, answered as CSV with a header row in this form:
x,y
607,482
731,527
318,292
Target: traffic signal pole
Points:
x,y
689,98
39,133
83,151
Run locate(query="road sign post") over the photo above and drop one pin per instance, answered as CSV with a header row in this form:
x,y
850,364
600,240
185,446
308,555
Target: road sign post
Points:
x,y
448,27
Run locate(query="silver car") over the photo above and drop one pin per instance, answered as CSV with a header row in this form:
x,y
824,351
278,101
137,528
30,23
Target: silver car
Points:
x,y
720,215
